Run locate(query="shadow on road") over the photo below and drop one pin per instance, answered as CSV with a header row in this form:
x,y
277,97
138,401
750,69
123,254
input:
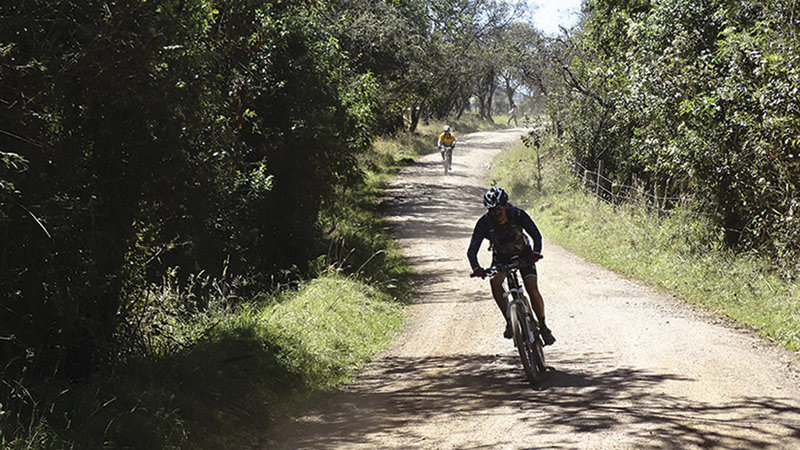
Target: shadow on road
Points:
x,y
409,392
428,209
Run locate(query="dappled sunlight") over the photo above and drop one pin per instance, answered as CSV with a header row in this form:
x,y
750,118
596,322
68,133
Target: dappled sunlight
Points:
x,y
401,395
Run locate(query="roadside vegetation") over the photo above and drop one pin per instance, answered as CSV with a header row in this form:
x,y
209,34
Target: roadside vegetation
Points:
x,y
206,377
209,367
693,103
681,121
181,181
678,251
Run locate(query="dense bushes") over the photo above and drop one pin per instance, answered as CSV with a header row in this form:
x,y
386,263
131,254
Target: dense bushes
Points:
x,y
196,137
697,100
139,136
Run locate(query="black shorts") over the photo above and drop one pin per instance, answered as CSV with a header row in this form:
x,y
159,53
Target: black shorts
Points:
x,y
526,268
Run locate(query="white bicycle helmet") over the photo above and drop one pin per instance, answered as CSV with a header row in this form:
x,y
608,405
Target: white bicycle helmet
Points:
x,y
495,197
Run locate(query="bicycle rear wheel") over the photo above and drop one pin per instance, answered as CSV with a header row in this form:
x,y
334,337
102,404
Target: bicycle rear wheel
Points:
x,y
521,341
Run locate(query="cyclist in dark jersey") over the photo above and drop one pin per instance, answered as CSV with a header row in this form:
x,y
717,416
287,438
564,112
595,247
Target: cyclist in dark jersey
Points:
x,y
503,226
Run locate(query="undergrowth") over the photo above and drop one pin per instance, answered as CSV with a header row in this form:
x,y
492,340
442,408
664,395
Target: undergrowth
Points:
x,y
212,365
238,370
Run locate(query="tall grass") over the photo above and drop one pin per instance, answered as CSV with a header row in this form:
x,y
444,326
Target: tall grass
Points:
x,y
251,366
678,252
331,327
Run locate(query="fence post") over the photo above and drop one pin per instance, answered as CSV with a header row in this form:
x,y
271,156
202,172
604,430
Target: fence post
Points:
x,y
614,193
597,186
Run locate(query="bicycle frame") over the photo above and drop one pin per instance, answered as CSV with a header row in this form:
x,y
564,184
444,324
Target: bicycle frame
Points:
x,y
520,314
515,290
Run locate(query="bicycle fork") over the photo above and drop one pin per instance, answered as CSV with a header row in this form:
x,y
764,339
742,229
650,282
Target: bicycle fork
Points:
x,y
518,297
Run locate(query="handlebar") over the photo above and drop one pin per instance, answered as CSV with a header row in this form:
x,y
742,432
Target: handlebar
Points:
x,y
498,268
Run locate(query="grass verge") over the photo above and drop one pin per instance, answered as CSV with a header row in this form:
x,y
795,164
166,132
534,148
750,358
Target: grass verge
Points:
x,y
251,366
677,252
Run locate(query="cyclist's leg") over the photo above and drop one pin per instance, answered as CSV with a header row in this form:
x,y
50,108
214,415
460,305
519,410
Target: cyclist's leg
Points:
x,y
502,302
497,292
532,287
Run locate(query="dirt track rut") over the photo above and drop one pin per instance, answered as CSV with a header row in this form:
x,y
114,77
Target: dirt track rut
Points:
x,y
633,367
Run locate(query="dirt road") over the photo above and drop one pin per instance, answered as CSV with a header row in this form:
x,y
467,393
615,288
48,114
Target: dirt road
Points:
x,y
632,368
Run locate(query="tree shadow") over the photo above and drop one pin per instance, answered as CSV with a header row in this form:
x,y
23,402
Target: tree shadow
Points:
x,y
587,396
427,209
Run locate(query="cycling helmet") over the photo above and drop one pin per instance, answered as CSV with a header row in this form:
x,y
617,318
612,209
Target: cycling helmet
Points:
x,y
447,128
495,197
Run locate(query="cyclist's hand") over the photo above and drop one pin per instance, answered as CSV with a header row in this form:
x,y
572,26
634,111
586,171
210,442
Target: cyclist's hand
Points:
x,y
479,272
536,257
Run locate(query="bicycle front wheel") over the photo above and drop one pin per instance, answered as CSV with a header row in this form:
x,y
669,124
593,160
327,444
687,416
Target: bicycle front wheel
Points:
x,y
521,341
538,356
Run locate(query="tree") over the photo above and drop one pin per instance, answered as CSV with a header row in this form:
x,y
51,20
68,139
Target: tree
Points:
x,y
694,99
428,57
145,135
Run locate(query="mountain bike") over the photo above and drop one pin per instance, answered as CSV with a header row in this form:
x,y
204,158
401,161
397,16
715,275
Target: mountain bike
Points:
x,y
447,157
527,337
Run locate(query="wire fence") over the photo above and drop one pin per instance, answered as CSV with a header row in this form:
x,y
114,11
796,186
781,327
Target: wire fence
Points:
x,y
655,198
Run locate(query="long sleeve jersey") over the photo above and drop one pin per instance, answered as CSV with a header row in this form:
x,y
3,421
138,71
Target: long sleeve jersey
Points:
x,y
507,239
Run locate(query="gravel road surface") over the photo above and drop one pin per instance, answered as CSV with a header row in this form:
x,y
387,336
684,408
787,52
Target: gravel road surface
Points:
x,y
632,368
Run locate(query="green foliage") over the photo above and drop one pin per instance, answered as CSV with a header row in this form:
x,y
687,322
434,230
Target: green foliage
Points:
x,y
205,363
430,57
142,136
249,367
698,100
331,316
224,144
677,254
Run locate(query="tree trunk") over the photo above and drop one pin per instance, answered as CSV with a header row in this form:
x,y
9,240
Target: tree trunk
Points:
x,y
463,107
509,91
416,108
490,97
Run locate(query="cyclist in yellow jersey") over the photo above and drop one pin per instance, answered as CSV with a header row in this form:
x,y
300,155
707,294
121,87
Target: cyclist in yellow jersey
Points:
x,y
446,139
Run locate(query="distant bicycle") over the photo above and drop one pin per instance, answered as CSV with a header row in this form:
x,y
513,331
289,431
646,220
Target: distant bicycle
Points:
x,y
447,157
527,338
